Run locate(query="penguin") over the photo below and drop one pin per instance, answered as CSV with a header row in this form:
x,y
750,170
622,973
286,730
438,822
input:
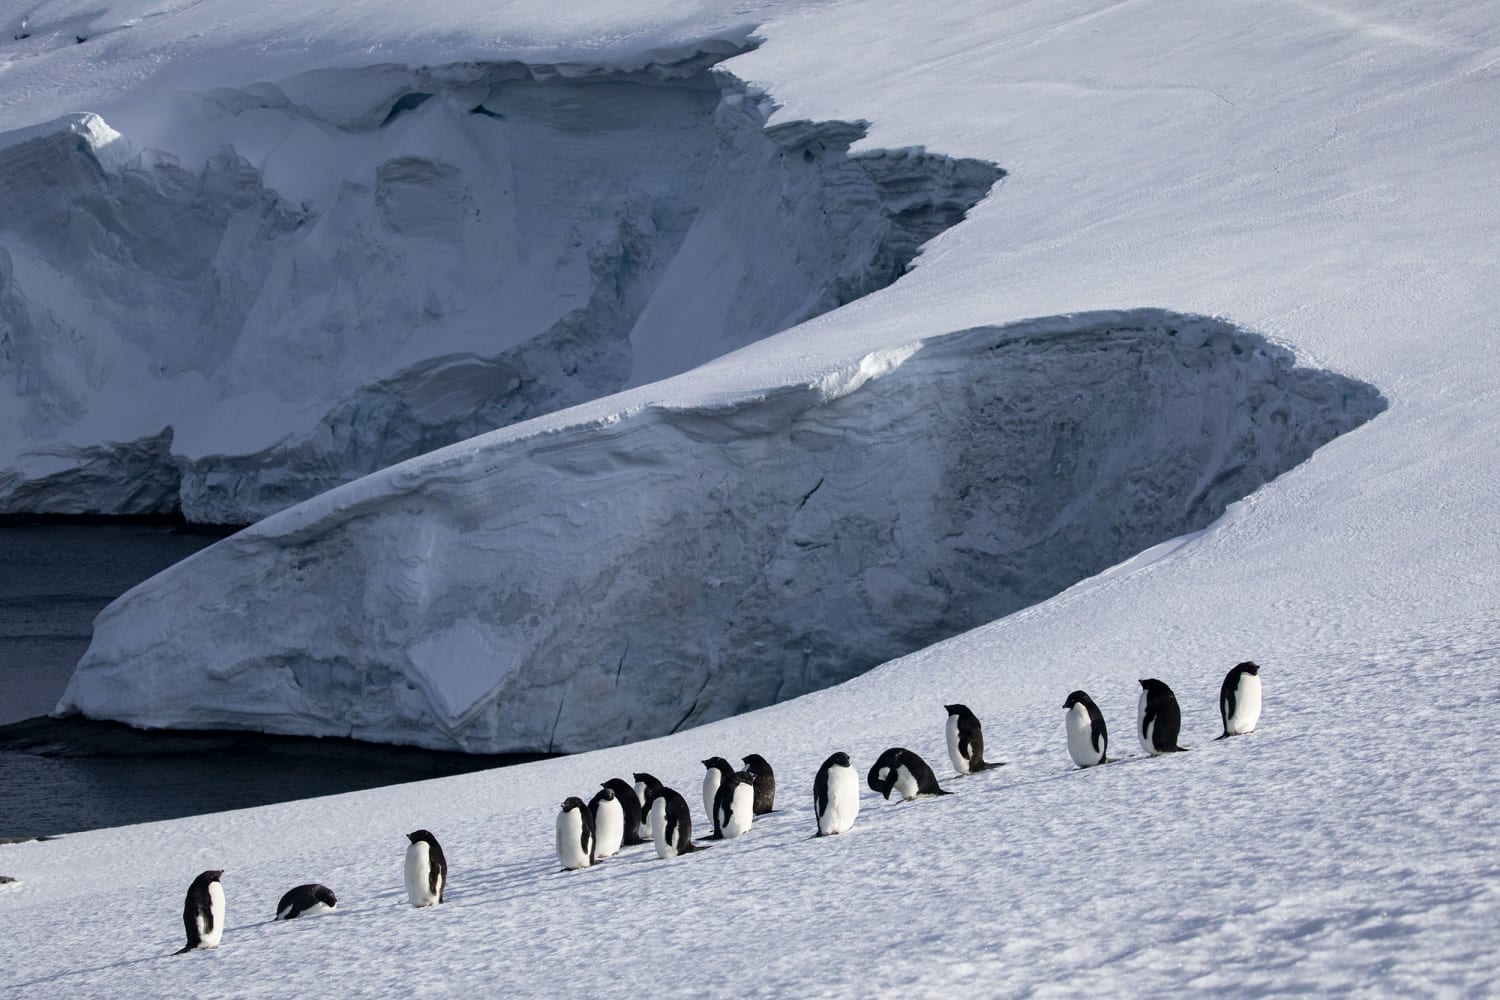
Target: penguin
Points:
x,y
1239,699
203,912
734,807
835,795
306,901
645,784
716,772
1087,737
575,835
966,741
426,869
765,783
609,822
1159,718
671,823
631,804
904,772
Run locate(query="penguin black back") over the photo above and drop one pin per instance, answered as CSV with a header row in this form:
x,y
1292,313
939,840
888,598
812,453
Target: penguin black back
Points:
x,y
203,911
966,740
437,865
312,897
906,771
625,795
678,829
1239,699
1160,718
765,782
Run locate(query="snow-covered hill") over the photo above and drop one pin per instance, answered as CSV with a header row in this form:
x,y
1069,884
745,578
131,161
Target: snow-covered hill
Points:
x,y
1320,174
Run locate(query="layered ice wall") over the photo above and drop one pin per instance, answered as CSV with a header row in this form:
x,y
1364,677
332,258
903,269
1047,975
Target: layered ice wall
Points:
x,y
288,286
623,578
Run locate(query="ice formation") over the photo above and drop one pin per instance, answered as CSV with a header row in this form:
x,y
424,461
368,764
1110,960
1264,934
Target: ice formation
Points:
x,y
622,577
296,284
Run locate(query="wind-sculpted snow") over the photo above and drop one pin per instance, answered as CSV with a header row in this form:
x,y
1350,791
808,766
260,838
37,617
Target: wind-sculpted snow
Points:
x,y
667,566
315,279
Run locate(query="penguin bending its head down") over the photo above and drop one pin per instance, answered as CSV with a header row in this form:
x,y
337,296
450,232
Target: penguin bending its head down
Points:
x,y
765,783
1158,718
716,772
203,912
1239,699
671,823
575,834
426,869
645,784
904,772
608,814
835,795
1088,738
631,804
734,806
966,741
306,901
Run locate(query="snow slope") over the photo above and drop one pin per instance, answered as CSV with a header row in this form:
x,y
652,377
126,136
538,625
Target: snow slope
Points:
x,y
1317,172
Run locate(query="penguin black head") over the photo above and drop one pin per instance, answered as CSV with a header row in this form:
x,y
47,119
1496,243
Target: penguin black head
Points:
x,y
958,710
572,802
608,794
755,762
421,835
718,764
1079,696
839,759
213,875
1151,684
1248,667
649,780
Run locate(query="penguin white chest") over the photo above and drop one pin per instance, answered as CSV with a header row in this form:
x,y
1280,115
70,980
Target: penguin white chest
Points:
x,y
572,844
1081,737
1146,731
664,848
211,928
711,780
906,784
418,869
741,811
1246,706
609,828
843,801
960,762
640,795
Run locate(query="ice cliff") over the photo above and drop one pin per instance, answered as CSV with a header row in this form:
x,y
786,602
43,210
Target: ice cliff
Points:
x,y
594,582
226,302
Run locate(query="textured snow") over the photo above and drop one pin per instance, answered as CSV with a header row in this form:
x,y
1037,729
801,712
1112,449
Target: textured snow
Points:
x,y
1318,173
298,283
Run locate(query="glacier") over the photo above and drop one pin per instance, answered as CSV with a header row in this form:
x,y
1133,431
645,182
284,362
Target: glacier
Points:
x,y
583,582
223,301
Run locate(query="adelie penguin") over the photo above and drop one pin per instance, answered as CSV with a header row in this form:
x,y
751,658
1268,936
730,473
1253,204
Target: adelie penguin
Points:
x,y
645,784
765,783
835,795
1158,718
901,771
306,901
734,805
203,912
426,869
1239,699
609,822
966,741
716,772
1088,739
635,816
575,835
671,823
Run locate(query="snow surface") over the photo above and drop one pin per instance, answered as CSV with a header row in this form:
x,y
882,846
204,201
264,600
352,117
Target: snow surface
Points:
x,y
1318,172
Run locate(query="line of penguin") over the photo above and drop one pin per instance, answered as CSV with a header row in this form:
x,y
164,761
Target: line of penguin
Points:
x,y
621,814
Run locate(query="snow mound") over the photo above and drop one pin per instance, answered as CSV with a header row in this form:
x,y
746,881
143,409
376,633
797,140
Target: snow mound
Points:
x,y
624,577
256,294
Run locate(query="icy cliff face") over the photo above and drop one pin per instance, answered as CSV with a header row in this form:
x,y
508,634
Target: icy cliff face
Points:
x,y
624,578
289,286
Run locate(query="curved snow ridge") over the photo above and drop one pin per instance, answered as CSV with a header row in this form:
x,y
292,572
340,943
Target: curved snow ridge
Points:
x,y
310,280
623,578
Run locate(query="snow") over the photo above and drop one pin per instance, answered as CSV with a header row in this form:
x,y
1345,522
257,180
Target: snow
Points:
x,y
1317,173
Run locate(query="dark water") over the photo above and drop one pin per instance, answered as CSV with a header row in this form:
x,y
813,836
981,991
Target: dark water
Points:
x,y
65,775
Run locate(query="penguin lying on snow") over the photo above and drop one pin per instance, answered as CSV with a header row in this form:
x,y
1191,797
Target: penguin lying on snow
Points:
x,y
765,783
575,834
835,795
1158,718
1239,699
306,901
966,741
904,772
426,869
203,912
1088,738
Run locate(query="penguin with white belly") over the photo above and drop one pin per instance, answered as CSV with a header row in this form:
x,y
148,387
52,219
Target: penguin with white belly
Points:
x,y
1239,699
575,835
426,869
634,815
835,795
1158,719
904,772
306,901
645,784
716,772
671,823
966,741
1088,738
734,805
609,822
203,912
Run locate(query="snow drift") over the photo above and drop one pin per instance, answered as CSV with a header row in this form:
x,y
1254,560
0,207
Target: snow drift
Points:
x,y
353,267
625,577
